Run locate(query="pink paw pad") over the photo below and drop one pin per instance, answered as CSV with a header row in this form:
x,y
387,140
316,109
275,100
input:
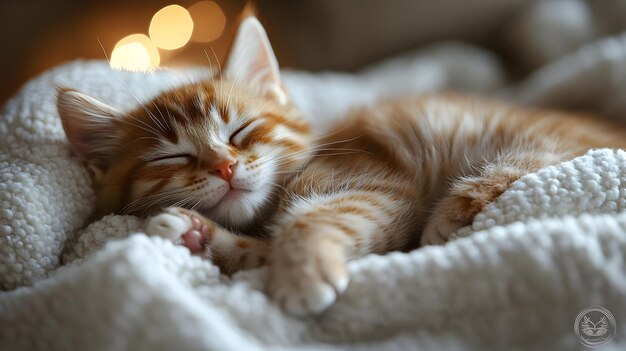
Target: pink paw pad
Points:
x,y
196,237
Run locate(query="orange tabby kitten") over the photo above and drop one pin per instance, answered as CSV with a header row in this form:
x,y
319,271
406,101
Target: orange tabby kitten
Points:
x,y
240,158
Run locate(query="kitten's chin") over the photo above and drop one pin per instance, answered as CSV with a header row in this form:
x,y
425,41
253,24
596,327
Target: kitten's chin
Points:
x,y
239,208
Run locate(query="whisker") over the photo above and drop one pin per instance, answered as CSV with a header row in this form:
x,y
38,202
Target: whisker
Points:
x,y
195,206
184,201
134,140
167,199
169,193
278,185
156,121
216,59
288,172
324,136
319,148
333,154
317,154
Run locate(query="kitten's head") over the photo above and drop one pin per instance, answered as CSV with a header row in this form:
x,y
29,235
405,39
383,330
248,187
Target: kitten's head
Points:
x,y
221,146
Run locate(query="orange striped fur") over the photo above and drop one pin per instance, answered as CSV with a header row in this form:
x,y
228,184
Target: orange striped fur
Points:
x,y
388,178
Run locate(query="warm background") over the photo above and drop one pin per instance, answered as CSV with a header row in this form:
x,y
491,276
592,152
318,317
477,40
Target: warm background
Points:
x,y
313,35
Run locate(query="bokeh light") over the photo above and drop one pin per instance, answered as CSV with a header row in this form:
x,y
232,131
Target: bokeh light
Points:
x,y
135,52
146,42
131,57
171,27
209,21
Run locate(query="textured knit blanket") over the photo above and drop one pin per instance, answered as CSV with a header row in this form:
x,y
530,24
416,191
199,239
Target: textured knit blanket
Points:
x,y
552,244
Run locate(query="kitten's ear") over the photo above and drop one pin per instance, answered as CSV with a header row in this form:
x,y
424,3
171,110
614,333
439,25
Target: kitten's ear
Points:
x,y
90,128
251,59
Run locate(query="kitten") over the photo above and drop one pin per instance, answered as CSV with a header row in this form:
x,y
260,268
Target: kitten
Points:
x,y
233,155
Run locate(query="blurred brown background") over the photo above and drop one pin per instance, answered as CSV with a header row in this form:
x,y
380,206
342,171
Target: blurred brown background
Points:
x,y
306,34
315,35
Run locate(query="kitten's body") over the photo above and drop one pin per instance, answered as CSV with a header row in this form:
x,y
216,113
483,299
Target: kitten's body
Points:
x,y
385,179
427,158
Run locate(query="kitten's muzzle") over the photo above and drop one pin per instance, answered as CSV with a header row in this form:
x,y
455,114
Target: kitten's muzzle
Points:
x,y
224,170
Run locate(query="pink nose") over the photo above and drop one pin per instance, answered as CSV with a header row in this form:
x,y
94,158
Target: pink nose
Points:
x,y
224,169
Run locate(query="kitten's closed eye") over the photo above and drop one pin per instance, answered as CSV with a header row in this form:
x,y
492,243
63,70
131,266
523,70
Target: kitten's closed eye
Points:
x,y
240,133
172,157
236,132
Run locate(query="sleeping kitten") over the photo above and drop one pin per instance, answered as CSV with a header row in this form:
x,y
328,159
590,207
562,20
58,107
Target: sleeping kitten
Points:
x,y
233,155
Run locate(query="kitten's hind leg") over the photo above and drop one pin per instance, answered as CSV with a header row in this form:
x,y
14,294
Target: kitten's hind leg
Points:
x,y
229,251
469,195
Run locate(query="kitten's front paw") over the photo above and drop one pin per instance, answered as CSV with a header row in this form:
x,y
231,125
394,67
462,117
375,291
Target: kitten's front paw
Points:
x,y
180,226
169,225
308,282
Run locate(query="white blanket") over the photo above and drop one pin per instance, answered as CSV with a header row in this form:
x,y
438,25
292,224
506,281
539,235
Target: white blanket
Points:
x,y
552,244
